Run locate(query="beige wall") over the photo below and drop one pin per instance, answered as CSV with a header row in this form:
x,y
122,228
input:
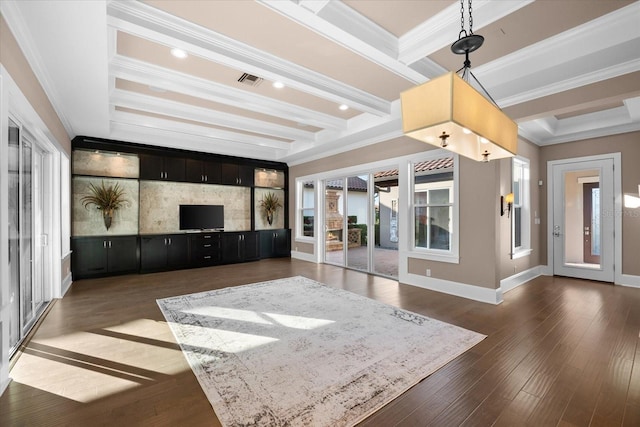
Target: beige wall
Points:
x,y
629,146
13,60
484,235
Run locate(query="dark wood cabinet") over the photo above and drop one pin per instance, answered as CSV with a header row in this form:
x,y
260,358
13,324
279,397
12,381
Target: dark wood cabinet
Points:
x,y
164,252
205,249
203,171
275,243
237,174
242,246
162,168
97,256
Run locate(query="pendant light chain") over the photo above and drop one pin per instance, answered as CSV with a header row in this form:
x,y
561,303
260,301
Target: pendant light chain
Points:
x,y
462,30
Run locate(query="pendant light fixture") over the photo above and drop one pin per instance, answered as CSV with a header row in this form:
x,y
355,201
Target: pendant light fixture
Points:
x,y
450,113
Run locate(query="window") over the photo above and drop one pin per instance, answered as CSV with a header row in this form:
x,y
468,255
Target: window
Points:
x,y
434,208
306,212
520,212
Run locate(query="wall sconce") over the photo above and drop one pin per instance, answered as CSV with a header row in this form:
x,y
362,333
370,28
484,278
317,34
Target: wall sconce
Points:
x,y
508,199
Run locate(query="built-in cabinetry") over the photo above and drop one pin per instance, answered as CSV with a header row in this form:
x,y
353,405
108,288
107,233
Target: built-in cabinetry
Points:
x,y
239,247
137,169
236,174
205,249
162,167
275,243
164,252
98,256
203,171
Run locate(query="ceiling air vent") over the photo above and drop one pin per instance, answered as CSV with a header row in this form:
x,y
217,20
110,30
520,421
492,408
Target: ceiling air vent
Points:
x,y
250,80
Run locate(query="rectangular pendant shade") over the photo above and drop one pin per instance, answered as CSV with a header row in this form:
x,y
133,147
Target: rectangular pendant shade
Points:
x,y
449,104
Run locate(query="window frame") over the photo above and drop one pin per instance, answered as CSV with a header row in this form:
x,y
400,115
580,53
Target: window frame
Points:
x,y
452,254
524,204
301,208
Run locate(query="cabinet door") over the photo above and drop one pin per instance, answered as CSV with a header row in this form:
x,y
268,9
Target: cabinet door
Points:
x,y
153,253
281,243
212,172
229,173
266,243
250,245
177,251
231,250
194,171
123,254
174,168
89,257
151,167
245,175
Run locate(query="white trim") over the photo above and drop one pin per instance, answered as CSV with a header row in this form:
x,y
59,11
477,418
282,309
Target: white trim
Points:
x,y
521,253
303,256
464,290
66,284
432,255
617,208
511,282
629,280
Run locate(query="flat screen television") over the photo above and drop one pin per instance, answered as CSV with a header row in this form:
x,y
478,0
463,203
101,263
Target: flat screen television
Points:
x,y
201,217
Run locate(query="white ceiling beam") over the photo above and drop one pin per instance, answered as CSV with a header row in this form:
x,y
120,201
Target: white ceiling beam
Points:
x,y
155,105
133,132
148,22
343,25
191,129
153,75
442,29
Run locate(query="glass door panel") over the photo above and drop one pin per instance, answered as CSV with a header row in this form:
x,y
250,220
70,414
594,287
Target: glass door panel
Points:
x,y
385,223
357,220
14,234
334,221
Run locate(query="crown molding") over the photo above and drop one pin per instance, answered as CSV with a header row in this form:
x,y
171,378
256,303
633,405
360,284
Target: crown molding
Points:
x,y
145,21
20,30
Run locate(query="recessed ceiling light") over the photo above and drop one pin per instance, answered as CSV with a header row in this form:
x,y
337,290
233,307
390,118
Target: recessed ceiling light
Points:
x,y
178,53
278,85
343,107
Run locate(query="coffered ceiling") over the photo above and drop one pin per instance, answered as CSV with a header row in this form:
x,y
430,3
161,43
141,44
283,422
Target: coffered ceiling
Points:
x,y
564,70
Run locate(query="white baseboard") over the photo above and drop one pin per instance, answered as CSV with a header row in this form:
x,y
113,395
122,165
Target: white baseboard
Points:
x,y
546,270
521,278
629,280
476,293
4,385
303,256
66,285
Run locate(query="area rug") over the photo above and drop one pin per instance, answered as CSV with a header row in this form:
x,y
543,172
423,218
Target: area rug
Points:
x,y
295,352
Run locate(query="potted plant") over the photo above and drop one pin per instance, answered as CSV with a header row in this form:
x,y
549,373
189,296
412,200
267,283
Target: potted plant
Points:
x,y
269,205
106,199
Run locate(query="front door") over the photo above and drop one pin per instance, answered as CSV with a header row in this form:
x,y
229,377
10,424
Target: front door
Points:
x,y
583,220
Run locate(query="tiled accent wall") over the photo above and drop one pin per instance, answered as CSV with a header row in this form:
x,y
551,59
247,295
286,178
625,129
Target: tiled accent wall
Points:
x,y
105,164
89,222
160,201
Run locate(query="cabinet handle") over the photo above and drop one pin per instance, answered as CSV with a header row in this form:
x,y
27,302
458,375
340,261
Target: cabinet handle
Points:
x,y
201,178
206,246
206,178
109,244
165,241
207,237
169,241
207,257
104,244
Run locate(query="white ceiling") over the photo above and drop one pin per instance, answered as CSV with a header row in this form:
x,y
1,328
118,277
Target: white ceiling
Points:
x,y
564,70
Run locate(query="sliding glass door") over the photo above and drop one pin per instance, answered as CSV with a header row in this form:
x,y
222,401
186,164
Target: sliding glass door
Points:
x,y
361,222
27,237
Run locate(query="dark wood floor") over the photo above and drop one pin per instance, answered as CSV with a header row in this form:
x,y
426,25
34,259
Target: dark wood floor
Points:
x,y
559,351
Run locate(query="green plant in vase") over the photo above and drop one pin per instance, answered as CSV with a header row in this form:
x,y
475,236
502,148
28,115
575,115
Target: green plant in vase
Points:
x,y
269,205
106,199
